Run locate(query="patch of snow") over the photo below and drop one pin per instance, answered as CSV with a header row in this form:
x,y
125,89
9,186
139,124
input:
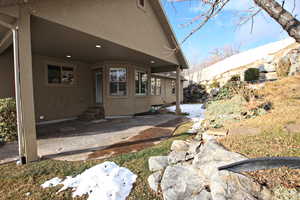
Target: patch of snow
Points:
x,y
52,183
195,112
245,58
106,181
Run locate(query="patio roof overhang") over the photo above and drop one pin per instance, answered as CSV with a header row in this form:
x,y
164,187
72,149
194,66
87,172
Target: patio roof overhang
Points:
x,y
55,40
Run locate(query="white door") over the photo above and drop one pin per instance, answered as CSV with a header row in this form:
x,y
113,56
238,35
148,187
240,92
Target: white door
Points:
x,y
98,88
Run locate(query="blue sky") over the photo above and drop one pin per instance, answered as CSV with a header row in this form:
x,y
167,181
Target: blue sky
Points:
x,y
223,29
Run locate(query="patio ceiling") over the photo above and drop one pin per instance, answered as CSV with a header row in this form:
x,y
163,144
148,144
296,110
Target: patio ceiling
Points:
x,y
55,40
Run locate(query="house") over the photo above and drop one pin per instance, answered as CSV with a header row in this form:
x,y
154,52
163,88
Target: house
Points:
x,y
61,57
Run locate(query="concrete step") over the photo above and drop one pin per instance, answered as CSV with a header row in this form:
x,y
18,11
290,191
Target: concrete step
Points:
x,y
93,113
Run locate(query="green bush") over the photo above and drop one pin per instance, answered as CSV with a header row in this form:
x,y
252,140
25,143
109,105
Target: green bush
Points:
x,y
215,84
252,74
236,77
8,120
233,88
283,67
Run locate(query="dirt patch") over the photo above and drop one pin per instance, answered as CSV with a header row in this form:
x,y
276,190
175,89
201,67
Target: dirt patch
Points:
x,y
144,139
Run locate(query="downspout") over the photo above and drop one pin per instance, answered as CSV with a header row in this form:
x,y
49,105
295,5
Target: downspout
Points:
x,y
15,32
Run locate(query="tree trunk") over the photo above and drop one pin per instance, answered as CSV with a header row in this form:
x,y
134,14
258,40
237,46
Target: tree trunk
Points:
x,y
282,16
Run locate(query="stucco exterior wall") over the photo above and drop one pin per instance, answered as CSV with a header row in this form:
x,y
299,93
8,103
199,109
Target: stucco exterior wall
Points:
x,y
59,102
131,103
52,102
119,21
166,93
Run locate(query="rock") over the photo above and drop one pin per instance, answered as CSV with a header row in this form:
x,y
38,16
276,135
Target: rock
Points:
x,y
198,137
267,68
206,137
217,132
194,147
294,69
181,183
271,76
179,145
154,180
224,184
204,195
212,156
228,185
214,92
157,163
176,157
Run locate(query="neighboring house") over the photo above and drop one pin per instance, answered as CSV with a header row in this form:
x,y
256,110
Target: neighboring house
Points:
x,y
73,55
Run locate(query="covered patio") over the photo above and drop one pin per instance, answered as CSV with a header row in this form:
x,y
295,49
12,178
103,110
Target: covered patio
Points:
x,y
76,140
39,45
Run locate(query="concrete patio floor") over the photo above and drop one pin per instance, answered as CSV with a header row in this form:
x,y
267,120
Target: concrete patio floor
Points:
x,y
75,140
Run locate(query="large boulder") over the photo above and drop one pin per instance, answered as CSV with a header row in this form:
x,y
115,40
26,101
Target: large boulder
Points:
x,y
154,180
177,156
271,76
179,145
227,185
295,61
157,163
267,67
214,156
181,183
224,184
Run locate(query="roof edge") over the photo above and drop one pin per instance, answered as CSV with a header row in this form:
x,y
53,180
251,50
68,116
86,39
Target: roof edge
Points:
x,y
156,4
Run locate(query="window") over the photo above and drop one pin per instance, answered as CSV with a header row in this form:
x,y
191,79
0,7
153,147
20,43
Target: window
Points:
x,y
118,81
141,4
173,86
141,83
158,86
155,86
62,75
152,86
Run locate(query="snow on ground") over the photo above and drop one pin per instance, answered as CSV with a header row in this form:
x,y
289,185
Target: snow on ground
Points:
x,y
106,181
196,113
245,58
52,183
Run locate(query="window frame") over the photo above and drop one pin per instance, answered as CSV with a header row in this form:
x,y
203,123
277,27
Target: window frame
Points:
x,y
61,65
140,83
160,86
109,81
154,93
173,87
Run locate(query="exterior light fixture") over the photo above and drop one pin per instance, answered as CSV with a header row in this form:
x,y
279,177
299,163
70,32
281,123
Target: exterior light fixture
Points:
x,y
68,56
98,46
152,61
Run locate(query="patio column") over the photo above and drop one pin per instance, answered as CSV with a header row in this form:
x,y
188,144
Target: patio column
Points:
x,y
178,89
26,87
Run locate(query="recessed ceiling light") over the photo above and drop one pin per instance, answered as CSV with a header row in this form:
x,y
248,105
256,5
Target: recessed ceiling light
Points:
x,y
152,61
68,56
98,46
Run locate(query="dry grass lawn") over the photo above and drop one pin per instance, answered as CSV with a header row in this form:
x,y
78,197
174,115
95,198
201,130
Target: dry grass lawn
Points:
x,y
23,182
279,134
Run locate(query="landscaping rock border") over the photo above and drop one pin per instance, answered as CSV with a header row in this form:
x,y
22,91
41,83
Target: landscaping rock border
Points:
x,y
191,173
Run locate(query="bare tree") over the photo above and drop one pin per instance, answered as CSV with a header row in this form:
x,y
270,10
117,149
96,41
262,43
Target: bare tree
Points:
x,y
211,8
